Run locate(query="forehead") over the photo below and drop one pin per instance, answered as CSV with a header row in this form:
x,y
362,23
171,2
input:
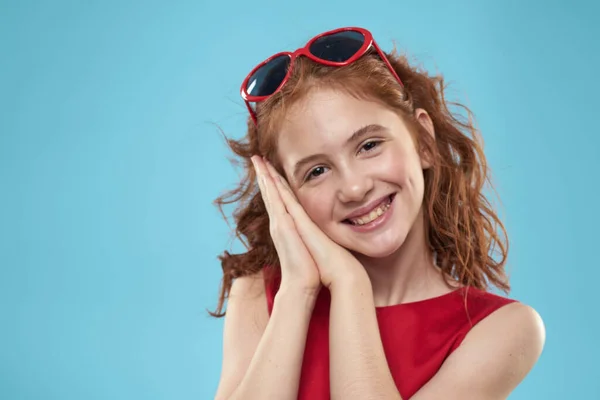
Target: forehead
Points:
x,y
322,121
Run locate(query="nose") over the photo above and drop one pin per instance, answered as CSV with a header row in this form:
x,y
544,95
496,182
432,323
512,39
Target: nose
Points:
x,y
354,186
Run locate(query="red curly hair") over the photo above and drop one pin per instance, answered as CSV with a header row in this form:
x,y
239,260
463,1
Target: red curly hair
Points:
x,y
463,230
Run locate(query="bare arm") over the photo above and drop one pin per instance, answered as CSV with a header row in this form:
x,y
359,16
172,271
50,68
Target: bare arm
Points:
x,y
493,359
358,367
262,356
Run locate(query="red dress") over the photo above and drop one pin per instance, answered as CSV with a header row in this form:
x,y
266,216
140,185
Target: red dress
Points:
x,y
417,337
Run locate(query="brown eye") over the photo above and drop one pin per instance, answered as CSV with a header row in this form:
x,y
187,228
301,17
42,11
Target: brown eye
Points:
x,y
315,173
370,145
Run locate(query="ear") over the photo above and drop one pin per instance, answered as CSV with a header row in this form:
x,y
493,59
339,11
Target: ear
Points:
x,y
425,120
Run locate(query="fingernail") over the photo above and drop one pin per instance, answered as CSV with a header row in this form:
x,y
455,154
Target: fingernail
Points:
x,y
253,158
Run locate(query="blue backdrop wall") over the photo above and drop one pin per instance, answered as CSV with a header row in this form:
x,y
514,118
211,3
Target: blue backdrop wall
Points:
x,y
110,158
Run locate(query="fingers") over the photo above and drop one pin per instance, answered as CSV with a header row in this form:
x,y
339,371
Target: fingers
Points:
x,y
293,254
269,192
261,185
278,178
306,227
287,195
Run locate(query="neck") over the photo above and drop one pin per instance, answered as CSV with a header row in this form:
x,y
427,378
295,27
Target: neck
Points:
x,y
407,275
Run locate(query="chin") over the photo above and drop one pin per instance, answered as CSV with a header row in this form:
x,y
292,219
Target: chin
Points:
x,y
376,250
379,246
375,253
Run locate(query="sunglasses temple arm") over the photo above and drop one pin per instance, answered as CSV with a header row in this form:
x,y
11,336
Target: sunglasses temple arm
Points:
x,y
387,62
252,113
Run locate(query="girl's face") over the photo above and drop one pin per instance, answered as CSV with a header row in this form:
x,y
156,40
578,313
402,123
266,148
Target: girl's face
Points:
x,y
354,167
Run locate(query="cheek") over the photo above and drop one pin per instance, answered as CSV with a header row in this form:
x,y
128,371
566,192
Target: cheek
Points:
x,y
317,206
395,167
403,168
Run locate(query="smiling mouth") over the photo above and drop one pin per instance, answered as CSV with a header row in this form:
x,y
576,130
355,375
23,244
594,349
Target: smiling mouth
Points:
x,y
373,215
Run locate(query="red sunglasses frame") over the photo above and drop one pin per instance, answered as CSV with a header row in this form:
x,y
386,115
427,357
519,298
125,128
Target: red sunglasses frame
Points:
x,y
305,51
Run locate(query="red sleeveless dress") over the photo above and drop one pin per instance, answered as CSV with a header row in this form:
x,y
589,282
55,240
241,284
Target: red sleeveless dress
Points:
x,y
417,337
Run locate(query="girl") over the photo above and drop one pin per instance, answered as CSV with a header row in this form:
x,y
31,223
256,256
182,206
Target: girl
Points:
x,y
371,246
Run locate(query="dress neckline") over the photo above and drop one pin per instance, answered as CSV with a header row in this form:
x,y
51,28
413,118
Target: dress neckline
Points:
x,y
423,302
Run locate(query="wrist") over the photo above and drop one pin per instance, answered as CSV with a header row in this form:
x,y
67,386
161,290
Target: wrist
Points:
x,y
352,282
297,297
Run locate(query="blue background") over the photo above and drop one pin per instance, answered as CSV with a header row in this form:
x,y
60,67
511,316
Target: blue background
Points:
x,y
110,157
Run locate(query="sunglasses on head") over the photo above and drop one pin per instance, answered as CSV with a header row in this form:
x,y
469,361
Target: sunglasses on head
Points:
x,y
335,48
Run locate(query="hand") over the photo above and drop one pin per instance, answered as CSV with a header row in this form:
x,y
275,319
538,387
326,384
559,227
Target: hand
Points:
x,y
335,264
298,269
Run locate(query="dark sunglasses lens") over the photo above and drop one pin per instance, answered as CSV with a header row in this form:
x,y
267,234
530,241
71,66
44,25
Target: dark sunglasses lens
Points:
x,y
337,47
266,79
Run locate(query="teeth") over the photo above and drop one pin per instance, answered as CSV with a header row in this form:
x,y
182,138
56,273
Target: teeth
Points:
x,y
379,211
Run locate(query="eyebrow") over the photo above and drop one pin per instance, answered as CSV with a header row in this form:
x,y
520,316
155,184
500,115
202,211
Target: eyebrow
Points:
x,y
355,137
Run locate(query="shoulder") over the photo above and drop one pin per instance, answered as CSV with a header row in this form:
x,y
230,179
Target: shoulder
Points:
x,y
494,312
515,321
511,323
253,284
505,345
247,304
477,305
495,356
